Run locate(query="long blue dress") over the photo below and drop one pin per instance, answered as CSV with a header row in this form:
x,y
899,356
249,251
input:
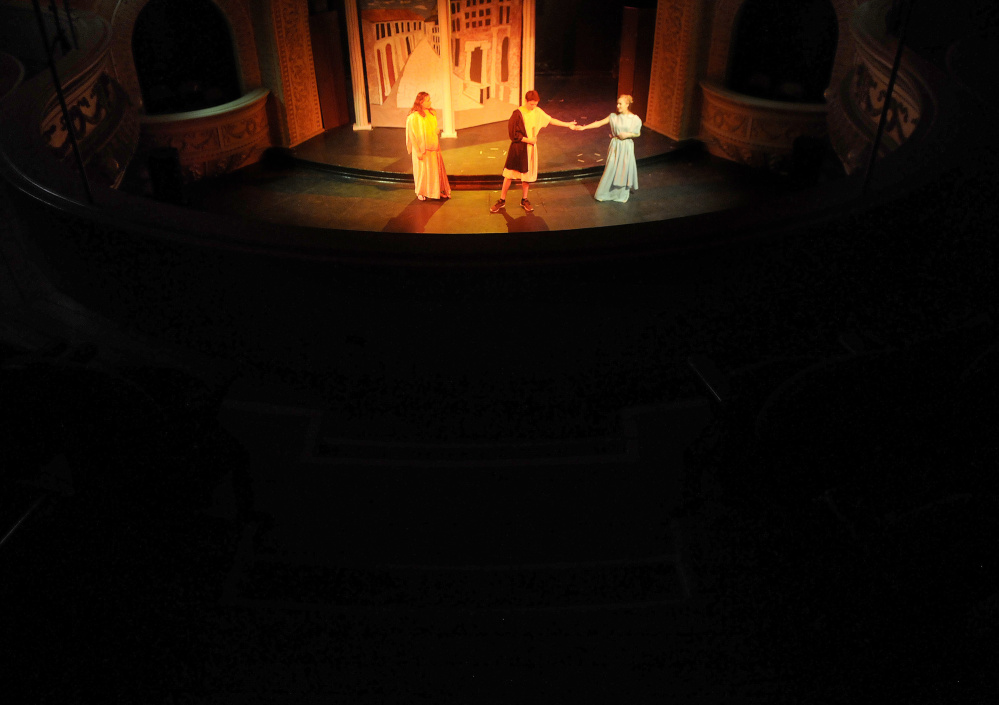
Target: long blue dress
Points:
x,y
620,175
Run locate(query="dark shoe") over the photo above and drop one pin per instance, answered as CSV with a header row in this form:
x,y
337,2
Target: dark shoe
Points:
x,y
526,205
498,206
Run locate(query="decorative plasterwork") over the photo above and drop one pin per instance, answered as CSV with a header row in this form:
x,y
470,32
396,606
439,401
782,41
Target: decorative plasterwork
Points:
x,y
100,115
236,13
213,141
675,67
299,97
858,100
754,131
723,27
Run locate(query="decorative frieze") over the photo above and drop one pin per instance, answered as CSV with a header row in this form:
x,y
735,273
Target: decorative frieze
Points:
x,y
755,131
101,116
213,141
857,102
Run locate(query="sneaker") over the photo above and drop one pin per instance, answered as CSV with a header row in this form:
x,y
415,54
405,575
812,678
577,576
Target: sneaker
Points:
x,y
526,205
498,206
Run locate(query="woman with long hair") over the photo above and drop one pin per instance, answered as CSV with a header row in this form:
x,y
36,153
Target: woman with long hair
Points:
x,y
620,175
423,143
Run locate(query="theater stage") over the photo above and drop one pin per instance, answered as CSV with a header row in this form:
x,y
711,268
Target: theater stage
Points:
x,y
344,181
475,158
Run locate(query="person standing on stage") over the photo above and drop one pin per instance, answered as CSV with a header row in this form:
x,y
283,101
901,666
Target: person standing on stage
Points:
x,y
620,175
423,143
522,159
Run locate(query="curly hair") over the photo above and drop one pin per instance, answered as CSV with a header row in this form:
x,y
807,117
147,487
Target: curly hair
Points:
x,y
418,104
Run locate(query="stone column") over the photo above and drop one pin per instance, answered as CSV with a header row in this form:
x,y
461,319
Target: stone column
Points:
x,y
527,51
444,24
357,79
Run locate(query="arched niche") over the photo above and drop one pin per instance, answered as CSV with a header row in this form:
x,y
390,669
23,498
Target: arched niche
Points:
x,y
184,57
236,13
783,50
723,22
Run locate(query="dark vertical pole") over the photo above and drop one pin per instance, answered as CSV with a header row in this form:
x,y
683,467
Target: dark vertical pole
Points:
x,y
62,101
903,25
60,35
69,21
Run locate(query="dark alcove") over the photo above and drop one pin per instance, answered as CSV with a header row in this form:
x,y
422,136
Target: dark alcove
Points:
x,y
783,49
184,56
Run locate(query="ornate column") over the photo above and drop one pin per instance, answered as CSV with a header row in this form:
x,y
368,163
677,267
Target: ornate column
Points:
x,y
680,33
284,46
444,22
527,51
298,72
357,79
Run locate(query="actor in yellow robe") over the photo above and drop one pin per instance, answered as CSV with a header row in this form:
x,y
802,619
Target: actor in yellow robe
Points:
x,y
423,143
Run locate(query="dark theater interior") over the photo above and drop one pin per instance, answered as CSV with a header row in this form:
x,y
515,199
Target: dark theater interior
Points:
x,y
280,427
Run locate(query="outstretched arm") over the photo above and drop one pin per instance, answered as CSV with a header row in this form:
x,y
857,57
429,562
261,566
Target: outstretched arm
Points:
x,y
570,125
598,123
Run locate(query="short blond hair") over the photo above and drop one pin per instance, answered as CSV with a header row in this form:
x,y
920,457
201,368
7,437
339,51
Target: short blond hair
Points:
x,y
625,96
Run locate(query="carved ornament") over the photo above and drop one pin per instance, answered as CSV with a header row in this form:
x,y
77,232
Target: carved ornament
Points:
x,y
213,141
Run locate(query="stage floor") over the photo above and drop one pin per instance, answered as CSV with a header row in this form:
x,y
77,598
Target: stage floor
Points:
x,y
362,181
476,156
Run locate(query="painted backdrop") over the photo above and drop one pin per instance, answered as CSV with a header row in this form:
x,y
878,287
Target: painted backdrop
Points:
x,y
402,53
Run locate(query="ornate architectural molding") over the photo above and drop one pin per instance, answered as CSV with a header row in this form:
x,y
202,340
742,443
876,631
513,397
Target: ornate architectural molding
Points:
x,y
680,34
857,101
754,131
213,141
102,119
237,14
299,96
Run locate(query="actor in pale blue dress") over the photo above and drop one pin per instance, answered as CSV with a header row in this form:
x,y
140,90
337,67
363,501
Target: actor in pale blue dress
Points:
x,y
620,175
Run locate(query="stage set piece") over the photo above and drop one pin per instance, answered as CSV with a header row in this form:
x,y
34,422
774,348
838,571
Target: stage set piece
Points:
x,y
474,57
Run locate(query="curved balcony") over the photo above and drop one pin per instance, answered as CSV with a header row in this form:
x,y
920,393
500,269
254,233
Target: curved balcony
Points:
x,y
212,141
756,131
103,121
857,102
